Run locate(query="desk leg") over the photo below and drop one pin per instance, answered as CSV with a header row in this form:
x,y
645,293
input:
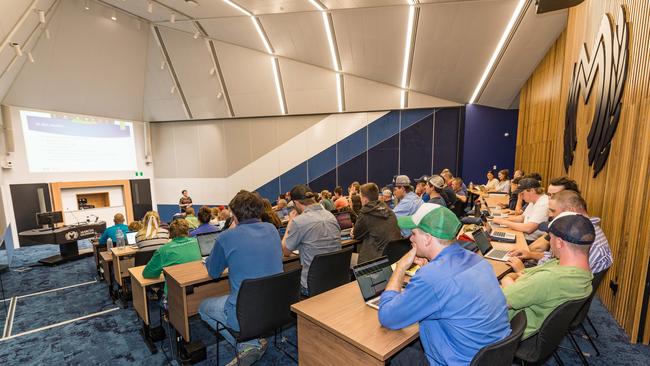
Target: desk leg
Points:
x,y
317,346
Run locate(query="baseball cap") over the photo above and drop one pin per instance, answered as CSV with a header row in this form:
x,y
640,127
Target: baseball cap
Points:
x,y
527,183
301,192
573,228
423,179
434,219
401,181
437,181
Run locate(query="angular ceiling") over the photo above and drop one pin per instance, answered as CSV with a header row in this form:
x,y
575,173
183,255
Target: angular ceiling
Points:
x,y
246,58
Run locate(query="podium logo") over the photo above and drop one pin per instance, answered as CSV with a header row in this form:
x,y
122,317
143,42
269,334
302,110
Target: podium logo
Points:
x,y
608,65
72,235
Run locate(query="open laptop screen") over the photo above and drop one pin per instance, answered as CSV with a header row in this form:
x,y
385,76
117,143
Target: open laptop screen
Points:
x,y
482,241
345,220
373,277
206,242
130,237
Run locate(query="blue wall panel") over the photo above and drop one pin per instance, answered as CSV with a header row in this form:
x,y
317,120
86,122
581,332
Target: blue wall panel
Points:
x,y
295,176
486,143
412,116
353,170
446,139
325,181
383,128
351,146
322,163
415,149
383,161
270,190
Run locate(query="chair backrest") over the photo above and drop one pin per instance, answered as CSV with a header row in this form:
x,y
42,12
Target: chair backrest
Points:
x,y
582,314
264,304
329,270
143,256
396,249
503,351
541,346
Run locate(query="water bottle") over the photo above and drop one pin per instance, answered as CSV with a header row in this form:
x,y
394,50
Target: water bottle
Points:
x,y
109,243
471,186
119,235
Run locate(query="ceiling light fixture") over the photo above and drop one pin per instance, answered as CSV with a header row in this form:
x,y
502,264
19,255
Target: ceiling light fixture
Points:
x,y
162,65
317,5
86,5
114,16
339,91
150,7
192,2
278,89
238,7
41,16
196,35
17,48
30,57
408,46
173,89
402,102
330,41
47,33
498,49
212,71
262,35
172,18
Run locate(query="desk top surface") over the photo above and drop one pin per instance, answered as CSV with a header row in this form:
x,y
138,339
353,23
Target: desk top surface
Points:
x,y
136,275
123,251
106,256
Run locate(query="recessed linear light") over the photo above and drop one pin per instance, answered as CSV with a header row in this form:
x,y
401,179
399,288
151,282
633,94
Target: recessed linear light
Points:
x,y
317,5
238,7
402,102
278,89
330,42
260,32
339,91
498,49
407,46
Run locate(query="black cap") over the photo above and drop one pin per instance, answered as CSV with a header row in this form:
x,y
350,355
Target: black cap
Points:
x,y
573,228
423,179
301,192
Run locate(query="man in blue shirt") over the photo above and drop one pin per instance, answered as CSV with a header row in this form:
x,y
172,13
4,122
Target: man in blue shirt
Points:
x,y
204,216
249,249
408,203
455,297
111,232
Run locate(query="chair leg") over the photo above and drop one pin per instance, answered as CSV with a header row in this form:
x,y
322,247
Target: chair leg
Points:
x,y
557,358
576,347
592,326
591,341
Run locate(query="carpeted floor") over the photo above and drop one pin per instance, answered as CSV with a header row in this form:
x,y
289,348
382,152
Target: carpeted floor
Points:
x,y
47,329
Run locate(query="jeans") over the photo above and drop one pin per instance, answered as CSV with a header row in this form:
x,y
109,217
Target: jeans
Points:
x,y
412,355
212,310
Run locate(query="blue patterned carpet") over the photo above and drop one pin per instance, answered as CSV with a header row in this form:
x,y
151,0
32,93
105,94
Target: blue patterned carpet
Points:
x,y
114,338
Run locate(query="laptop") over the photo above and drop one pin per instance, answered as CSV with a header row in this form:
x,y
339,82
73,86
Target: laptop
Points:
x,y
500,236
372,278
130,237
206,243
345,220
483,243
345,234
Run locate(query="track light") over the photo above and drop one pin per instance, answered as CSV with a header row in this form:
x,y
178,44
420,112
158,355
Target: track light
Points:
x,y
173,89
17,49
86,5
162,65
192,2
196,35
47,33
30,57
212,71
114,16
150,7
172,18
41,16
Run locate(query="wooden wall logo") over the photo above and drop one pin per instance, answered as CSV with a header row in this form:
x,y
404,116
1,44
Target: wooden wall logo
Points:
x,y
608,65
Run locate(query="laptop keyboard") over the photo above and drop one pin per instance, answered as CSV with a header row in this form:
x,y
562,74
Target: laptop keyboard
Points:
x,y
367,271
498,253
500,234
374,301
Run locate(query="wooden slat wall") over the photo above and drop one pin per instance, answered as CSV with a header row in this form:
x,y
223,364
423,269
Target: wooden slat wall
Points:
x,y
620,194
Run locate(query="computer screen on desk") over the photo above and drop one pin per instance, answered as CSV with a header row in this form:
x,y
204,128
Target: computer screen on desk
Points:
x,y
49,218
206,242
345,220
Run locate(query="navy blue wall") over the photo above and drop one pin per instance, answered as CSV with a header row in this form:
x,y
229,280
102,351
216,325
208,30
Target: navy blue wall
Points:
x,y
486,143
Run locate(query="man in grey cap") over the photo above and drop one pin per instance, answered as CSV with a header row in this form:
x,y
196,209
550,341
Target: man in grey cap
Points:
x,y
408,201
539,290
535,213
435,187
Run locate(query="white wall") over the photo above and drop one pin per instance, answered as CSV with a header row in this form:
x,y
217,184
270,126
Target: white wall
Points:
x,y
20,173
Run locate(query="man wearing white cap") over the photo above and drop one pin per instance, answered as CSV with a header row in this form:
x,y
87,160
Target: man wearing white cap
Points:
x,y
455,296
409,202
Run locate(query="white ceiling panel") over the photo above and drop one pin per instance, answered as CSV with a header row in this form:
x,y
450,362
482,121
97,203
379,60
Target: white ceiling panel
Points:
x,y
192,63
185,26
159,103
371,42
205,8
454,44
418,100
275,6
237,30
300,36
249,79
13,10
366,95
308,89
139,8
535,35
349,4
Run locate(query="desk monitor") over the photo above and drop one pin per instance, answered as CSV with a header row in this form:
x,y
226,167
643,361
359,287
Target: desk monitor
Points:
x,y
345,220
49,218
206,242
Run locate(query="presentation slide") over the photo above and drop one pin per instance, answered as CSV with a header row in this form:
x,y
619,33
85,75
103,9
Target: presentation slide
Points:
x,y
69,143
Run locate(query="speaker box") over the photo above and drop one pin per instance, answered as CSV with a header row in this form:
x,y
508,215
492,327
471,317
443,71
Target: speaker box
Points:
x,y
545,6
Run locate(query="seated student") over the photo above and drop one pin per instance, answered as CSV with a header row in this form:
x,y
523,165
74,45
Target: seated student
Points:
x,y
249,250
205,214
504,183
535,213
600,254
560,184
539,290
461,196
514,196
135,226
338,193
356,203
421,188
181,249
341,203
376,224
268,215
151,233
492,181
326,200
387,197
111,231
311,230
214,216
191,218
518,174
407,201
282,209
435,186
455,296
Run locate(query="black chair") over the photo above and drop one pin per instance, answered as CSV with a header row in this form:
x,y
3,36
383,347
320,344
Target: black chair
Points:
x,y
502,352
396,249
328,271
543,344
582,315
143,256
264,306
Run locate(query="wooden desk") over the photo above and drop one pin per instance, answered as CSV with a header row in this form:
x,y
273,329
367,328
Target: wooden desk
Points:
x,y
139,286
503,268
96,250
337,327
493,200
106,261
123,259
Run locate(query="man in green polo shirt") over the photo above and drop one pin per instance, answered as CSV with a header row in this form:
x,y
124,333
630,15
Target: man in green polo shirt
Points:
x,y
181,249
539,290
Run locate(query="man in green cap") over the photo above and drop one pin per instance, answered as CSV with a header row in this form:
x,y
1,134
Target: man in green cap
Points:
x,y
455,297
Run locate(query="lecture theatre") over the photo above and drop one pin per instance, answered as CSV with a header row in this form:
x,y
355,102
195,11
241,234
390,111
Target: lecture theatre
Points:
x,y
324,182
